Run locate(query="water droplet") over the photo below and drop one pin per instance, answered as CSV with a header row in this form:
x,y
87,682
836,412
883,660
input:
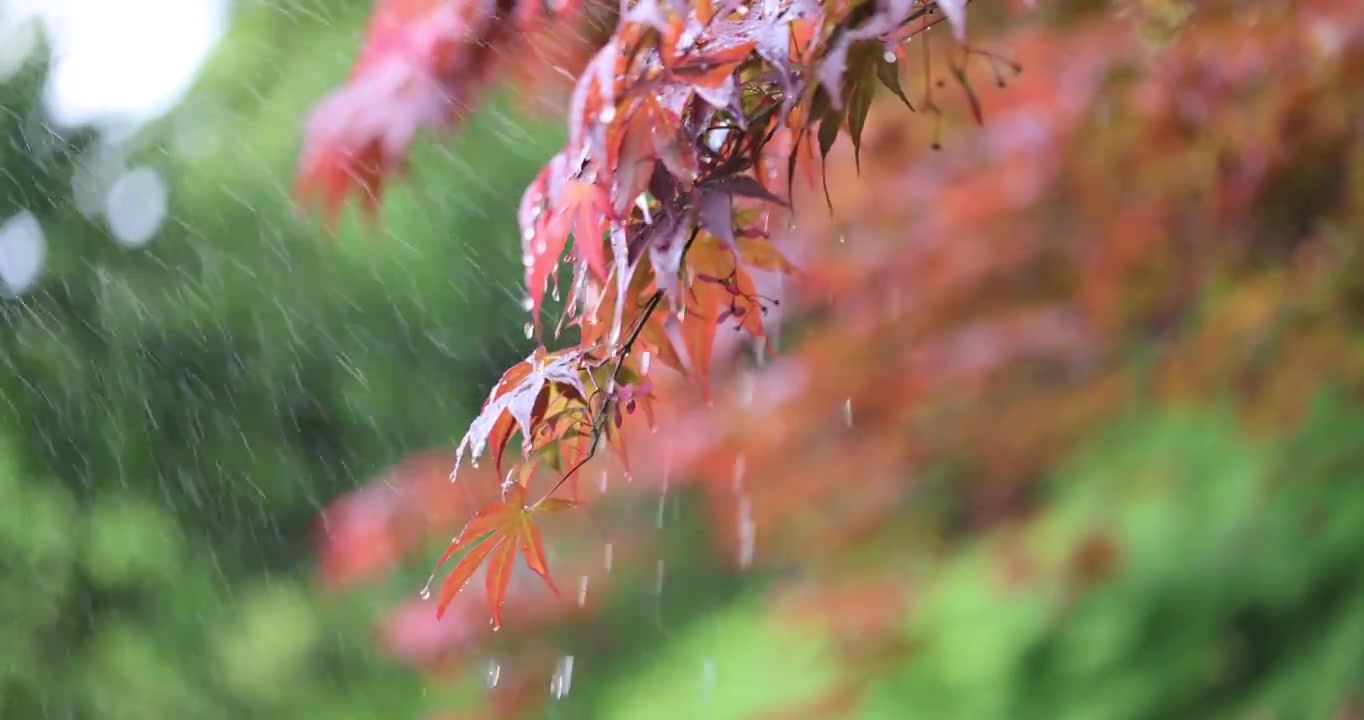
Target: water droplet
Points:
x,y
494,672
608,114
554,292
527,259
889,56
746,531
644,359
527,304
426,589
529,329
528,234
562,681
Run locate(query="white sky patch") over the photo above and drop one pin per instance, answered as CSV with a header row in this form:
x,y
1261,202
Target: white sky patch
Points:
x,y
116,64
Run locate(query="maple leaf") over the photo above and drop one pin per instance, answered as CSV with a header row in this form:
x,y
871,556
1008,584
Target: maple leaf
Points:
x,y
518,401
494,534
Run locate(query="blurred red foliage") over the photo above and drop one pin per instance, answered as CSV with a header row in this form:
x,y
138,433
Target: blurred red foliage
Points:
x,y
1151,189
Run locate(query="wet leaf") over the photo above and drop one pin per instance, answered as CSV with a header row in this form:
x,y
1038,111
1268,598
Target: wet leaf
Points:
x,y
495,534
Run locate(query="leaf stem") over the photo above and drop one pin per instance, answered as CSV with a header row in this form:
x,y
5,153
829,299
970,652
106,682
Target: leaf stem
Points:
x,y
601,418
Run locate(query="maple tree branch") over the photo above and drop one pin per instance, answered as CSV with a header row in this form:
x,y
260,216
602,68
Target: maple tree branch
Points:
x,y
603,415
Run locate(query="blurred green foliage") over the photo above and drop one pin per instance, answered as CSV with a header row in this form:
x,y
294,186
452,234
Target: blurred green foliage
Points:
x,y
175,416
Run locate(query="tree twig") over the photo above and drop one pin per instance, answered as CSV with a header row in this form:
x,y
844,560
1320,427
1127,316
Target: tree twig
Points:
x,y
603,415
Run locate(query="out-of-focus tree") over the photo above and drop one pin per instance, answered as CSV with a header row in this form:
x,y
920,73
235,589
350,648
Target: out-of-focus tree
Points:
x,y
176,412
1063,423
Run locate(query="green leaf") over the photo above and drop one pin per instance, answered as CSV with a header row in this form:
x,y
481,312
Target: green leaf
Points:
x,y
889,75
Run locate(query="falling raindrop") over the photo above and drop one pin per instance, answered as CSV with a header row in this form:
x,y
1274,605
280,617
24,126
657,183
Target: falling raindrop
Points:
x,y
494,672
644,358
562,681
847,412
608,549
582,591
746,531
707,679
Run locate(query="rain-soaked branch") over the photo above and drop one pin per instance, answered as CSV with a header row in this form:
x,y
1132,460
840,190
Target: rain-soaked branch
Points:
x,y
604,413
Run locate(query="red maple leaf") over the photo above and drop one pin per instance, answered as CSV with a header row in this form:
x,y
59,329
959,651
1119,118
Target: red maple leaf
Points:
x,y
494,534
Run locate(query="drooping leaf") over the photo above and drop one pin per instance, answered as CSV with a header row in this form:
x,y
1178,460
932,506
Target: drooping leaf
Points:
x,y
517,398
888,73
496,533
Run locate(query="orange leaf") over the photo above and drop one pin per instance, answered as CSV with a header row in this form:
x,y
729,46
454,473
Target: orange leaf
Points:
x,y
494,534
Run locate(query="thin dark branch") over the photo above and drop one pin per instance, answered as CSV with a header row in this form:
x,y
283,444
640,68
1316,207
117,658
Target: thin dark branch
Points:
x,y
603,415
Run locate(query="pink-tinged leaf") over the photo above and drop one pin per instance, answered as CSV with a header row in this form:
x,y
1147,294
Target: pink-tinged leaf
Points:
x,y
583,209
360,135
422,63
519,397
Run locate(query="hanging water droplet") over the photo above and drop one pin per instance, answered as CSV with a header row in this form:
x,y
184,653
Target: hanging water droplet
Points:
x,y
847,413
529,329
562,681
426,589
889,56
